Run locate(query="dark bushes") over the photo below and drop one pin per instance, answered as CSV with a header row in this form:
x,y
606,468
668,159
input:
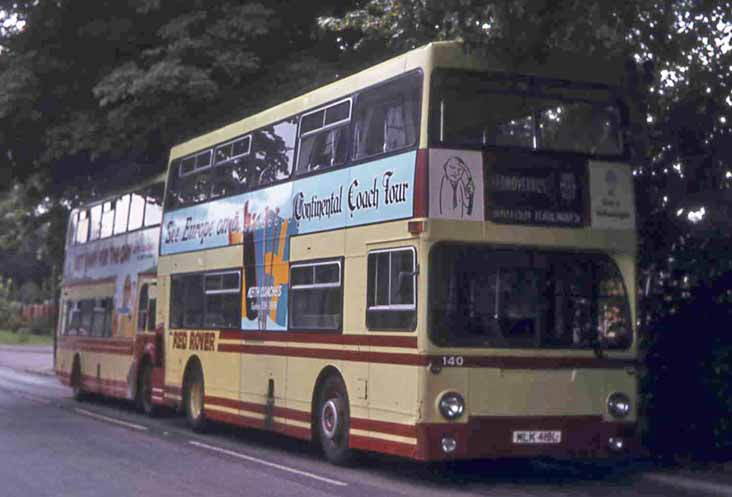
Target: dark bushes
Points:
x,y
687,385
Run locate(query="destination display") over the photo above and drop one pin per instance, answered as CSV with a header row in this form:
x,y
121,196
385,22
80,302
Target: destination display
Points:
x,y
523,188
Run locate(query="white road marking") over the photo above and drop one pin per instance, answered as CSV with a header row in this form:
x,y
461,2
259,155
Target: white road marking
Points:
x,y
269,464
110,420
691,484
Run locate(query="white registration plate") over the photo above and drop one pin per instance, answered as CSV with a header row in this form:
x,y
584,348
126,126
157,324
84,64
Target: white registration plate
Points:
x,y
537,437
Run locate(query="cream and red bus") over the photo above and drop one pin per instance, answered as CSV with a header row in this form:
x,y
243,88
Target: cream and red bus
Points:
x,y
432,258
105,334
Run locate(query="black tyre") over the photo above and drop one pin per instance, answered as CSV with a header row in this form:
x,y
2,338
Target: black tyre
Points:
x,y
333,421
144,390
193,398
77,391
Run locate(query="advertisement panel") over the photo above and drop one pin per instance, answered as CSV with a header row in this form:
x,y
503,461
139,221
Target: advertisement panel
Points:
x,y
263,221
122,258
456,184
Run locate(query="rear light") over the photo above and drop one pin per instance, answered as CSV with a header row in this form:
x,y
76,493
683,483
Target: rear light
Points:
x,y
421,208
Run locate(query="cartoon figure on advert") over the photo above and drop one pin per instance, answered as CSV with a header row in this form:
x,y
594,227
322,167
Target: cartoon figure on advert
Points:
x,y
457,190
122,322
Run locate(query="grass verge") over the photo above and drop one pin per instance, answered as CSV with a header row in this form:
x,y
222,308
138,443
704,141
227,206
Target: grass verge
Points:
x,y
8,337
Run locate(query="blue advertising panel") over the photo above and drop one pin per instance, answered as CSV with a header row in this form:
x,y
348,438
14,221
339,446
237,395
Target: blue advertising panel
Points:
x,y
265,220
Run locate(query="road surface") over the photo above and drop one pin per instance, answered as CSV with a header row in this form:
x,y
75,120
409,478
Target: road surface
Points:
x,y
53,446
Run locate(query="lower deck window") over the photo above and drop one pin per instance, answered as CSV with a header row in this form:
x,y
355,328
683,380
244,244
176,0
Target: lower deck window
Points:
x,y
316,296
89,317
206,300
391,290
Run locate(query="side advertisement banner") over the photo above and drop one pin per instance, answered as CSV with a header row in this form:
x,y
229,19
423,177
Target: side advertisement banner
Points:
x,y
122,258
264,220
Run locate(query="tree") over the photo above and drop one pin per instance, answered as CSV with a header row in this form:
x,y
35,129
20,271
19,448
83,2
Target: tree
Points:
x,y
93,93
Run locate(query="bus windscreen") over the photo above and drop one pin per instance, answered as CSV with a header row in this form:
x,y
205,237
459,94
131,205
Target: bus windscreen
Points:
x,y
499,298
471,110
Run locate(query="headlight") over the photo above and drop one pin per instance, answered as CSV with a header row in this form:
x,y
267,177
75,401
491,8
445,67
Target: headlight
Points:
x,y
619,405
452,405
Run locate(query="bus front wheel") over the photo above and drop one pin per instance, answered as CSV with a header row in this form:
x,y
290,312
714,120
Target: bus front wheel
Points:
x,y
193,395
333,421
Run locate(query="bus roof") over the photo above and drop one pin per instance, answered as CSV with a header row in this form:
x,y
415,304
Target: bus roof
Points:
x,y
446,54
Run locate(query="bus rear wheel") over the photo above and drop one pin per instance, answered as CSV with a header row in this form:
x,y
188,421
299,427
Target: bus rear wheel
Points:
x,y
77,391
333,421
144,390
193,397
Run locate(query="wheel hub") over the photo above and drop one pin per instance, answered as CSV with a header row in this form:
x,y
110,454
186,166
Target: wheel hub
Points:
x,y
330,420
196,400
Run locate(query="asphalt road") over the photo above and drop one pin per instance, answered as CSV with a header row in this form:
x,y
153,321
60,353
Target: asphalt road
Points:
x,y
53,446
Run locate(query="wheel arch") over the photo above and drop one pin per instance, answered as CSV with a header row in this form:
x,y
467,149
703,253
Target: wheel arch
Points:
x,y
193,362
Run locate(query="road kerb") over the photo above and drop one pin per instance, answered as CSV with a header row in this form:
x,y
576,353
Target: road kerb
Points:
x,y
693,484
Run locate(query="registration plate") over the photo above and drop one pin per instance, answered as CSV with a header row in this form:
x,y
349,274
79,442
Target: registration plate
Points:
x,y
537,437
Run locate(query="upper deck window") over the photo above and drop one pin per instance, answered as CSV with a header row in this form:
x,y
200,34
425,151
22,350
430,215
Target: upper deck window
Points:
x,y
257,159
473,110
122,209
82,226
96,222
324,137
107,219
387,117
233,149
137,212
154,205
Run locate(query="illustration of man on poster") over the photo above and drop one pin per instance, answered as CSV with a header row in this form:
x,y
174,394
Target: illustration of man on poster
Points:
x,y
457,189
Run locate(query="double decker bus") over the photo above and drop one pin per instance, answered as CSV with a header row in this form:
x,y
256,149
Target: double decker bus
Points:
x,y
432,258
105,341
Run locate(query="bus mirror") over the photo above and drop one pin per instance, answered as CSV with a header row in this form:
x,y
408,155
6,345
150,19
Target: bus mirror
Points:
x,y
407,274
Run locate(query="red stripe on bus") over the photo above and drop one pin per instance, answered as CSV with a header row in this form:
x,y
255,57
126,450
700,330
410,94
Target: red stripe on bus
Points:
x,y
513,362
102,350
120,346
71,339
247,422
173,389
384,446
498,362
105,381
406,342
387,427
279,412
89,281
332,354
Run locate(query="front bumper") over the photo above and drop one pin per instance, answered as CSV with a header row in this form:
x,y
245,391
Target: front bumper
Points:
x,y
492,437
